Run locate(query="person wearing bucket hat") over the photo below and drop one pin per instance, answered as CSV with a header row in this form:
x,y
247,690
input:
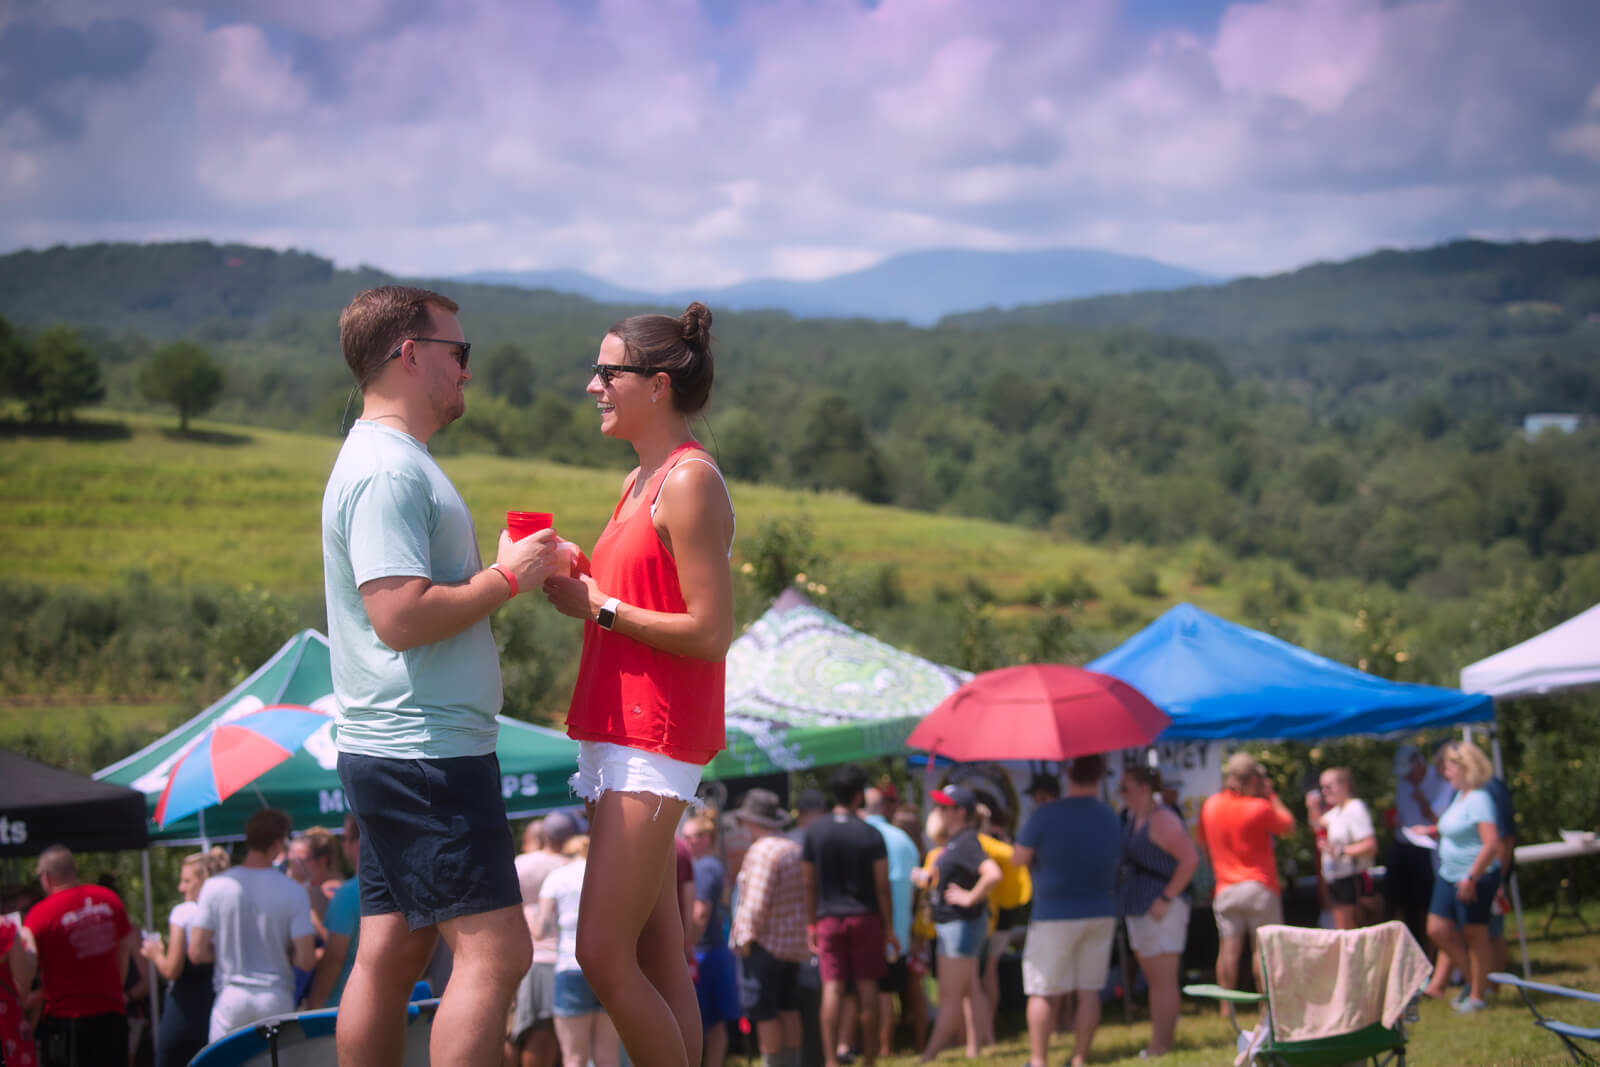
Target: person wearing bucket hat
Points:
x,y
769,929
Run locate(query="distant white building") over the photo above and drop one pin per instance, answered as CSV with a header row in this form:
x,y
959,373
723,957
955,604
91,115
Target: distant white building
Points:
x,y
1536,424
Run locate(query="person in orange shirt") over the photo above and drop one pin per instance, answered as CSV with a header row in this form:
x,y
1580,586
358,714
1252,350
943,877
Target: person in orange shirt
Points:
x,y
1237,827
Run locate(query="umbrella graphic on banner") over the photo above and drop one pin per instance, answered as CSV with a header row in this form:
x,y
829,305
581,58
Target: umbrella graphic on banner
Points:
x,y
232,755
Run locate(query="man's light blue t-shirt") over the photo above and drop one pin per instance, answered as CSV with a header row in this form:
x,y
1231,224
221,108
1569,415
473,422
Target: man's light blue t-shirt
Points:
x,y
1459,843
903,859
344,917
389,512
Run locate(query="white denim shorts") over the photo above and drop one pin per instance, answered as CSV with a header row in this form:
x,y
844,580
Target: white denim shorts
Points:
x,y
604,767
1160,937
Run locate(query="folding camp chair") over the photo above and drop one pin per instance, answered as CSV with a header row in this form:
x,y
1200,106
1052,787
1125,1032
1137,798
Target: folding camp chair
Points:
x,y
1355,976
1569,1033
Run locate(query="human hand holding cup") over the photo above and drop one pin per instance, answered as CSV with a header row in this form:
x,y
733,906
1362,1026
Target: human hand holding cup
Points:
x,y
532,559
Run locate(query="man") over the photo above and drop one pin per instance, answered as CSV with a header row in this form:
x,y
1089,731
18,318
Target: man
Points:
x,y
417,681
255,925
84,943
769,929
1419,797
343,925
1237,827
1073,846
903,859
531,1039
716,979
850,911
311,866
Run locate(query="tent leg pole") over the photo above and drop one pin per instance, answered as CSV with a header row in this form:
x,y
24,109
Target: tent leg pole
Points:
x,y
205,842
1522,935
150,924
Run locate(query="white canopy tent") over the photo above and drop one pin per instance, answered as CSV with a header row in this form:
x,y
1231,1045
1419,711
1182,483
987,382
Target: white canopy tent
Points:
x,y
1564,657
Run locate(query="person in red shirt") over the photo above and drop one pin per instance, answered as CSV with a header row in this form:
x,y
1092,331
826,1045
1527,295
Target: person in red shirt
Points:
x,y
1237,827
647,707
85,944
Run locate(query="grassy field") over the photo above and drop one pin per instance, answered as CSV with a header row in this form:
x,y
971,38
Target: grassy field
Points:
x,y
230,506
1503,1035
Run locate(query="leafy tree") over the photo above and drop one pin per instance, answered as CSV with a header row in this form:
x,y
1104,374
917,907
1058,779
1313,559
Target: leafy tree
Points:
x,y
510,374
64,375
16,363
184,375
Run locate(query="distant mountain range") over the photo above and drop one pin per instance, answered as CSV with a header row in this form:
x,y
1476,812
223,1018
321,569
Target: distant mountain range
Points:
x,y
918,287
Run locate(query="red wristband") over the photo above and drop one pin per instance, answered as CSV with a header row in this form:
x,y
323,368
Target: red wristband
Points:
x,y
505,572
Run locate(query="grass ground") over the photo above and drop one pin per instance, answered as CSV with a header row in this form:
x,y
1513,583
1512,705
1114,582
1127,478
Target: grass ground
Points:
x,y
230,506
1502,1035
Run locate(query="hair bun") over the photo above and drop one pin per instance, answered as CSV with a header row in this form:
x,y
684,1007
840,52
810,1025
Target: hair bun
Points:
x,y
696,325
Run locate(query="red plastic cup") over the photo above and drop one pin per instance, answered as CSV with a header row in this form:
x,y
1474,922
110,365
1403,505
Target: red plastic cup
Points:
x,y
522,523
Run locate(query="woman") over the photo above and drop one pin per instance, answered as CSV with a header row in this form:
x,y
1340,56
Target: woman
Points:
x,y
1347,841
16,979
186,1016
582,1028
961,882
1158,862
1469,872
657,608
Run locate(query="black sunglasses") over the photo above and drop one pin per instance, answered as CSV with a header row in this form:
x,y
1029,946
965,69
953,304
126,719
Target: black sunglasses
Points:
x,y
608,371
463,348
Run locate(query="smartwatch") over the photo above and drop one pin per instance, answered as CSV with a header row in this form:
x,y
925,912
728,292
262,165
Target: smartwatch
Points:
x,y
606,617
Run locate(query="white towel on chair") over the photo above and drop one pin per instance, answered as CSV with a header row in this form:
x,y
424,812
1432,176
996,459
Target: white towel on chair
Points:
x,y
1323,983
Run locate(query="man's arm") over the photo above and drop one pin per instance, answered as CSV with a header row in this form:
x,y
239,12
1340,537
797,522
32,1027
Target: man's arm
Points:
x,y
1022,855
809,876
305,952
327,972
880,878
200,950
407,612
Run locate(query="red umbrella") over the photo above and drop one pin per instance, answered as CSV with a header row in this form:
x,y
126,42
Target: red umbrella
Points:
x,y
1040,711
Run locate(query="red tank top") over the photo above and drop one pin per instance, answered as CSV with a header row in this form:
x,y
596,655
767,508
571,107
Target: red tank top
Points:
x,y
627,692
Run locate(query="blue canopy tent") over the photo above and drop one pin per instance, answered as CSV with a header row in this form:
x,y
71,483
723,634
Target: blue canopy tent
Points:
x,y
1224,682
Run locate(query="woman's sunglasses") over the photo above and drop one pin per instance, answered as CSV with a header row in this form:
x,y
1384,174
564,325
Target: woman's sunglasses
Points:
x,y
608,371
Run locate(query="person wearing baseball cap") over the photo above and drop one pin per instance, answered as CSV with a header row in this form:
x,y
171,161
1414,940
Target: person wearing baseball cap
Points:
x,y
1236,831
963,878
769,929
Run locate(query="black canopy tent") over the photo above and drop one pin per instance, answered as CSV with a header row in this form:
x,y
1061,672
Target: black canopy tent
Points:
x,y
42,806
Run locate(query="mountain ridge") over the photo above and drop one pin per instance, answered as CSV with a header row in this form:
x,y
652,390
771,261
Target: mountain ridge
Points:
x,y
918,287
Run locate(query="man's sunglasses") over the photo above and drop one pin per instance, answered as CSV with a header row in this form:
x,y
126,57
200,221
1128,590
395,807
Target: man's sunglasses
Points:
x,y
608,371
463,349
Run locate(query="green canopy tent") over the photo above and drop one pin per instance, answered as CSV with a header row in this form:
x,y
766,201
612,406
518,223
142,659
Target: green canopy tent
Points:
x,y
805,690
535,762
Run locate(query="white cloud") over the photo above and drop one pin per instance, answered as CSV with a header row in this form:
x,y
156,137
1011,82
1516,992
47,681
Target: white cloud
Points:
x,y
637,140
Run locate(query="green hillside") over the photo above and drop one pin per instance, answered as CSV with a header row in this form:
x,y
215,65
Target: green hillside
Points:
x,y
1328,418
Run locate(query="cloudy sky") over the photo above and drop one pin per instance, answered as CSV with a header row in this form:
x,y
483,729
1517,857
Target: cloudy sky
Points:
x,y
667,143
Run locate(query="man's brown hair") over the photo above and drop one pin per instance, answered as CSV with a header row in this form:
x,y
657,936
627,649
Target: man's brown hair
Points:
x,y
265,829
378,320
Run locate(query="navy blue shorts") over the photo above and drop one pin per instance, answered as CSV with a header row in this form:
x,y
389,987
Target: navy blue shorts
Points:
x,y
1447,905
435,843
717,987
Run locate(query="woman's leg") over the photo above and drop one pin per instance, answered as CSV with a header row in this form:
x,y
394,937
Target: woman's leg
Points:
x,y
1478,949
1161,975
604,1048
572,1031
630,931
1452,953
1345,916
957,978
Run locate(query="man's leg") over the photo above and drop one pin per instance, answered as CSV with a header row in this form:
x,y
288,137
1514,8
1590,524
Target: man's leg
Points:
x,y
1084,1025
371,1029
1041,1022
832,997
867,1001
491,953
1228,948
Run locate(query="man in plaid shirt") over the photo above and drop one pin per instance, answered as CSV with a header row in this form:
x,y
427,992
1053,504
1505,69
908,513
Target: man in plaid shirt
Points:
x,y
769,929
